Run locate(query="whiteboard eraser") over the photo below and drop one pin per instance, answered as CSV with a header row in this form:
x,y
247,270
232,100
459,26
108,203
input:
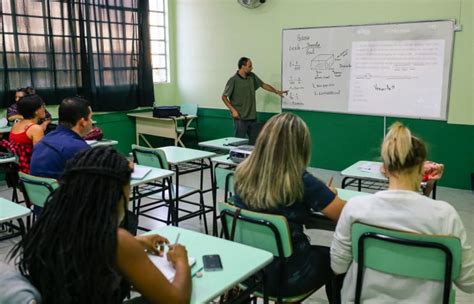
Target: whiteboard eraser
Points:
x,y
457,27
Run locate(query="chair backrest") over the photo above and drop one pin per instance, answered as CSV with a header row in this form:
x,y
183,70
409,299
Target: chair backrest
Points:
x,y
189,108
428,257
37,189
225,181
150,157
265,231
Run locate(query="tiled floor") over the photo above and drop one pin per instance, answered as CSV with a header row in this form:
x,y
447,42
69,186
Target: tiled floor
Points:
x,y
462,200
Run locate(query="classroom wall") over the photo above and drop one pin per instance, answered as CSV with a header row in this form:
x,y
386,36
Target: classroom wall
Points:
x,y
208,36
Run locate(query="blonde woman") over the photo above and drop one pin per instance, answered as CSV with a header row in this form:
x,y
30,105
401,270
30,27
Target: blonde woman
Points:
x,y
274,180
401,208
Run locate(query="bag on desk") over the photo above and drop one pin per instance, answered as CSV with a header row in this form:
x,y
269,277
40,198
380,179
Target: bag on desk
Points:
x,y
94,134
166,111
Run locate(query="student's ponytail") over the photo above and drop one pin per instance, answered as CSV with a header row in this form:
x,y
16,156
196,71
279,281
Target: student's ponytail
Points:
x,y
402,151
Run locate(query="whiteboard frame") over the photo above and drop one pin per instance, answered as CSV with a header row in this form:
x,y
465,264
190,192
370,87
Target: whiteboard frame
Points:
x,y
448,89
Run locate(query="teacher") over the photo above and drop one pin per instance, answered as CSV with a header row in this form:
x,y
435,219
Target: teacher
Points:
x,y
239,97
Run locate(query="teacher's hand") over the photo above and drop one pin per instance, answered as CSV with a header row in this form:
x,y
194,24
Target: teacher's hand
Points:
x,y
282,93
234,113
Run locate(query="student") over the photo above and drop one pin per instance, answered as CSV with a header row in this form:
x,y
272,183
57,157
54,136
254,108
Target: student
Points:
x,y
13,113
273,179
401,208
26,133
76,253
57,147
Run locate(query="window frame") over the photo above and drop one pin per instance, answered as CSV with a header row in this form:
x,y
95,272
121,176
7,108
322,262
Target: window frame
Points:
x,y
165,40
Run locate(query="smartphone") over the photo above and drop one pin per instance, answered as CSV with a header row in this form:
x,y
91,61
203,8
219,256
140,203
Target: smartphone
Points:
x,y
212,262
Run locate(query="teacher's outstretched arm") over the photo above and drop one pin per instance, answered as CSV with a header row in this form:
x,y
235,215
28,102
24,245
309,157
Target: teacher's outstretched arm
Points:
x,y
271,89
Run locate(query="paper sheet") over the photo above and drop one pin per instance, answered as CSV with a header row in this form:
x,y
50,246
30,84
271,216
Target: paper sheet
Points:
x,y
140,172
167,267
370,168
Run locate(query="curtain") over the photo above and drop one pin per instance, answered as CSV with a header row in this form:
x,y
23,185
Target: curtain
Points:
x,y
98,49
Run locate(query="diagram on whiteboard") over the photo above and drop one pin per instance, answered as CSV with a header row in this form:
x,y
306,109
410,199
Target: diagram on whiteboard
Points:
x,y
313,68
381,69
322,62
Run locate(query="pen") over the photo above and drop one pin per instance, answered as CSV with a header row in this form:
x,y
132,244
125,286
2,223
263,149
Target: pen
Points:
x,y
329,183
177,238
175,242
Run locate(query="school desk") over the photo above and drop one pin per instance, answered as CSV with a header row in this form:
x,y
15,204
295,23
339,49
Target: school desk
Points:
x,y
223,144
153,175
239,261
10,211
183,161
146,124
367,175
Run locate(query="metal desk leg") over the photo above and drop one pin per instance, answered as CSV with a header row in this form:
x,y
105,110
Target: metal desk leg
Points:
x,y
214,198
343,184
170,218
21,226
264,287
176,211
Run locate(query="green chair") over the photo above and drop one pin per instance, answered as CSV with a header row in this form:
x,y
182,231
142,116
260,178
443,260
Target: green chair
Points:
x,y
406,254
268,232
156,158
225,181
188,109
37,190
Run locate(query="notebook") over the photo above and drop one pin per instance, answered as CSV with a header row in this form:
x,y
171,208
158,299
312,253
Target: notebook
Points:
x,y
167,267
140,172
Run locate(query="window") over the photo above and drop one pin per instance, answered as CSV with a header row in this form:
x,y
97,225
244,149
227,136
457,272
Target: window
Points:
x,y
159,40
42,50
86,47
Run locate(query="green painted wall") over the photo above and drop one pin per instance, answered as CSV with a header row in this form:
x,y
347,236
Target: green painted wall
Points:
x,y
340,140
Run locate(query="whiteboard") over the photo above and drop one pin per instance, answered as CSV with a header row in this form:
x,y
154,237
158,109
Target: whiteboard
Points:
x,y
400,70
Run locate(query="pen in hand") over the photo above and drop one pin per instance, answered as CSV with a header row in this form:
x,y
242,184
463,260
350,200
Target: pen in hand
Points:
x,y
175,242
177,238
330,186
160,245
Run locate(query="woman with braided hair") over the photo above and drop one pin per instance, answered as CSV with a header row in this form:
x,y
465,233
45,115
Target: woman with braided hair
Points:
x,y
76,252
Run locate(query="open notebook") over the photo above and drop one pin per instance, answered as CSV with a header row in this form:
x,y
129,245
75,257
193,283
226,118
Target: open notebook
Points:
x,y
140,172
167,267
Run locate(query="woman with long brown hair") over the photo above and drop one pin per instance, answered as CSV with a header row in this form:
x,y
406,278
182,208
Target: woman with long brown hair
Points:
x,y
274,179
